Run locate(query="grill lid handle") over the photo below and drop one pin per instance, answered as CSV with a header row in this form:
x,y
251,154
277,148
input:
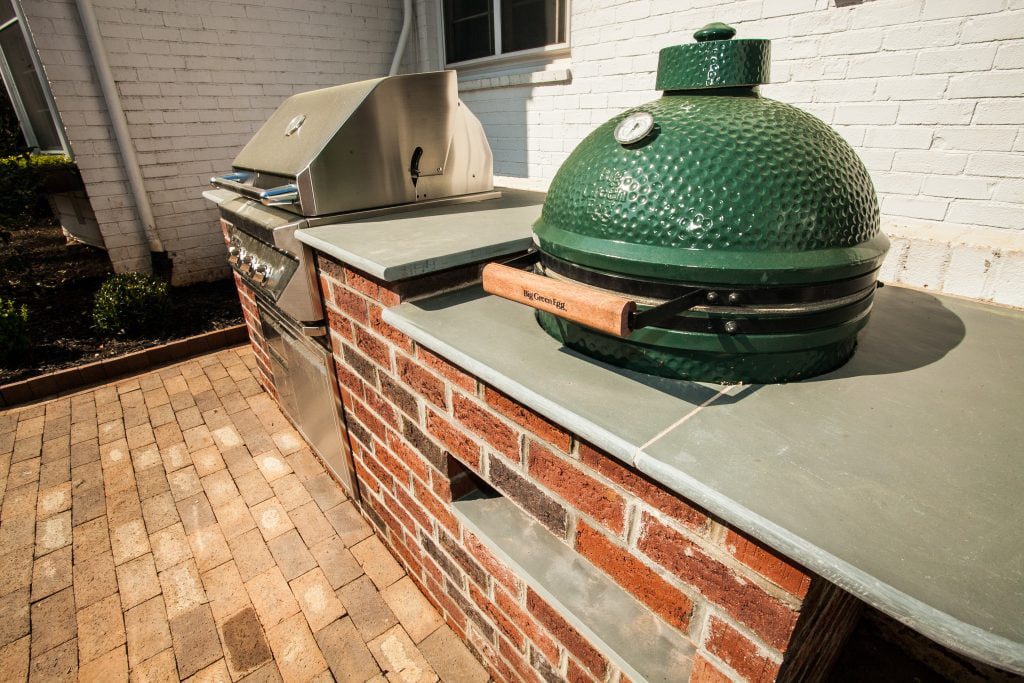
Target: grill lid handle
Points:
x,y
240,182
594,308
599,310
286,194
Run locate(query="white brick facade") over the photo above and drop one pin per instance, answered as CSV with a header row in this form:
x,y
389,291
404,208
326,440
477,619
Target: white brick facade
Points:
x,y
196,79
929,92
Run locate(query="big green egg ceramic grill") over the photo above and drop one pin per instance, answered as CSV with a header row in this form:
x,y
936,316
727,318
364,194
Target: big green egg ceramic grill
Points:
x,y
712,234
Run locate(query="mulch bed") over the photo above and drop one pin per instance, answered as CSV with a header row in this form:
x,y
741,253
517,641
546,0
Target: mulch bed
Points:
x,y
57,281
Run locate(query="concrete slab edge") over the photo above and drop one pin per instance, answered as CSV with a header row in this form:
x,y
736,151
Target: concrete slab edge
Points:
x,y
71,379
343,255
941,627
600,437
403,271
434,265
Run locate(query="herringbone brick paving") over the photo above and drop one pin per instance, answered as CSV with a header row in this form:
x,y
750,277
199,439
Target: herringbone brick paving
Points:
x,y
174,526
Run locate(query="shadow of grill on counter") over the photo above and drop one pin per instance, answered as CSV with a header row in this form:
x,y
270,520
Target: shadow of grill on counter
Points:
x,y
712,234
327,156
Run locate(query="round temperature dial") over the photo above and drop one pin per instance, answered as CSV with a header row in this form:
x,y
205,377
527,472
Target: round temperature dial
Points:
x,y
634,128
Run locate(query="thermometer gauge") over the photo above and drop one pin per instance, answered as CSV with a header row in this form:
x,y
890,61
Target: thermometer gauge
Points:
x,y
634,128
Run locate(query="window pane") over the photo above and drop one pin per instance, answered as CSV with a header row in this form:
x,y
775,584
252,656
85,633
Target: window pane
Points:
x,y
6,11
27,84
531,23
469,29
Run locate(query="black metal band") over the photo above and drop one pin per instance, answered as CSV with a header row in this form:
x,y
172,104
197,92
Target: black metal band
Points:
x,y
715,295
718,324
724,310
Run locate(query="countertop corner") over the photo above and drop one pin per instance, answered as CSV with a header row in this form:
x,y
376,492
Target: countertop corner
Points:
x,y
398,246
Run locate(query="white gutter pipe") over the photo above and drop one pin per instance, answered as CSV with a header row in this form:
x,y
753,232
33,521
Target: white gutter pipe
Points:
x,y
403,37
119,124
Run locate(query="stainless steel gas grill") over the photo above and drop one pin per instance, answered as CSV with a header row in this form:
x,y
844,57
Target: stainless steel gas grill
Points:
x,y
341,153
332,156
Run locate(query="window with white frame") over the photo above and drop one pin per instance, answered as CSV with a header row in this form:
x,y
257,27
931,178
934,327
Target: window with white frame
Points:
x,y
29,93
478,29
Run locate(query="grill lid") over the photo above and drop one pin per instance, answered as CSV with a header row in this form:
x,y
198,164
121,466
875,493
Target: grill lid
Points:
x,y
301,128
377,143
722,186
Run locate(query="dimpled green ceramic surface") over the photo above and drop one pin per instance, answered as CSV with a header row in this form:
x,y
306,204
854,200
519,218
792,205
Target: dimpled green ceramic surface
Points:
x,y
714,61
728,188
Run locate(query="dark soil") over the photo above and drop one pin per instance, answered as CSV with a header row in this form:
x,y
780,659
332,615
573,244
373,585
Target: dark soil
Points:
x,y
57,281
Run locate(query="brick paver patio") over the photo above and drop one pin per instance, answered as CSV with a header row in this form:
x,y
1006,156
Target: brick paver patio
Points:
x,y
174,526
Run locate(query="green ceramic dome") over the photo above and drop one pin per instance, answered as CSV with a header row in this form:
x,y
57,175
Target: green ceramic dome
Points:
x,y
725,188
729,187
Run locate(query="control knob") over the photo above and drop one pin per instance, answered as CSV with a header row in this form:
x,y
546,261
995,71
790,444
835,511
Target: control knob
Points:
x,y
261,271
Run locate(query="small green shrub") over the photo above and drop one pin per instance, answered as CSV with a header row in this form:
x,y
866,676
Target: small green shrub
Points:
x,y
11,139
25,179
130,304
14,340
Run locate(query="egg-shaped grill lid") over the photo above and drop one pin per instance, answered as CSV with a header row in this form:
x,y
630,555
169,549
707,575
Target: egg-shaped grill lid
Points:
x,y
711,234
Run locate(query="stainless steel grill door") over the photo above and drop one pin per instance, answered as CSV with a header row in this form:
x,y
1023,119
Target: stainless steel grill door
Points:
x,y
304,378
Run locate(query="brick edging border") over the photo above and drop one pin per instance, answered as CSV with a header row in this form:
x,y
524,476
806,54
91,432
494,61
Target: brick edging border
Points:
x,y
53,383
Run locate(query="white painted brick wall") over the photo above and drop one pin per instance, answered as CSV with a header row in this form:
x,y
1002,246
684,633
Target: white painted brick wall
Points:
x,y
196,78
929,92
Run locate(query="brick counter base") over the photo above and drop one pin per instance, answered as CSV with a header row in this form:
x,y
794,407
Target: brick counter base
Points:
x,y
417,423
259,345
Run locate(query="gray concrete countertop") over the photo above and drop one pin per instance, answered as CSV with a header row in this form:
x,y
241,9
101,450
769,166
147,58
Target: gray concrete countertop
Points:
x,y
218,197
402,245
899,477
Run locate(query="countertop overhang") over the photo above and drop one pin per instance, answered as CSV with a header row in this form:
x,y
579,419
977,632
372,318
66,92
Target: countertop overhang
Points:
x,y
397,246
898,477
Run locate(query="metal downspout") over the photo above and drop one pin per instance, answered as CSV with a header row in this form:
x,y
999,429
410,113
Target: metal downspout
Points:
x,y
403,37
119,124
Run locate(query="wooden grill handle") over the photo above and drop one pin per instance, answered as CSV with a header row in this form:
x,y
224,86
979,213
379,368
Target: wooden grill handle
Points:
x,y
598,310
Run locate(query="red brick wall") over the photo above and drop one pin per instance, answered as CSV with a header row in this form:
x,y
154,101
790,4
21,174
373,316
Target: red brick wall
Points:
x,y
252,322
416,421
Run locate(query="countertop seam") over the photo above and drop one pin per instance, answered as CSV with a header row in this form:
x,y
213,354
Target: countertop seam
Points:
x,y
665,432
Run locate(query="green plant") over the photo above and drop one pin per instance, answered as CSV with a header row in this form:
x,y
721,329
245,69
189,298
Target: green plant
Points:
x,y
25,178
14,339
11,139
130,304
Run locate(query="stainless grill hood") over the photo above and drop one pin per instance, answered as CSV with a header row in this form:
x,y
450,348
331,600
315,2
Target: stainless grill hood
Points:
x,y
376,143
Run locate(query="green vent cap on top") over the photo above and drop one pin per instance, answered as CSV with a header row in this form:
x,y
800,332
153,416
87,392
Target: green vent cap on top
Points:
x,y
714,61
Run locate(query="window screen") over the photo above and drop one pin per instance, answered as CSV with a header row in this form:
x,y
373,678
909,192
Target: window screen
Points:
x,y
25,84
470,26
531,23
469,29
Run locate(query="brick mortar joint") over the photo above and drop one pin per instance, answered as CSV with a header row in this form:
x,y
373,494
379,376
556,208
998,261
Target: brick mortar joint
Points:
x,y
713,541
388,430
710,545
704,544
719,553
480,403
436,535
712,611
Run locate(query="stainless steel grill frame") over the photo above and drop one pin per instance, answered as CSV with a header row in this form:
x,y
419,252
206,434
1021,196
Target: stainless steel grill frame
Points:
x,y
331,156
